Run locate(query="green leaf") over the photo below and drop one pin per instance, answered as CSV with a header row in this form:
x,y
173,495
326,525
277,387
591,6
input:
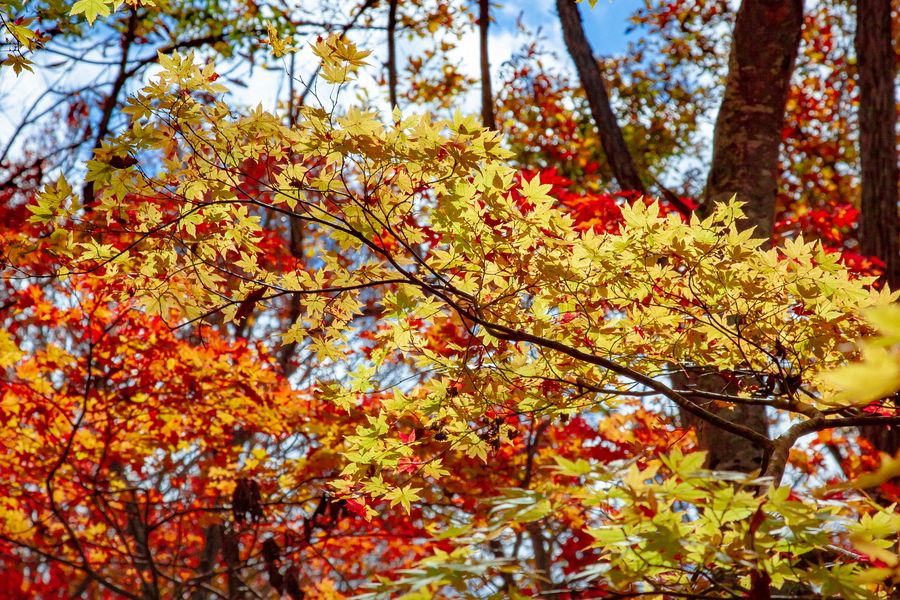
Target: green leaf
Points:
x,y
574,468
404,496
91,9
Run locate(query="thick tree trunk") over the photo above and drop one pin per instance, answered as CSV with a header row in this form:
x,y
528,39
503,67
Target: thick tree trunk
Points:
x,y
725,451
745,163
748,128
879,225
611,137
487,95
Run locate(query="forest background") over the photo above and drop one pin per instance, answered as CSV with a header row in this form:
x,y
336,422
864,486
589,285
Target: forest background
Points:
x,y
316,347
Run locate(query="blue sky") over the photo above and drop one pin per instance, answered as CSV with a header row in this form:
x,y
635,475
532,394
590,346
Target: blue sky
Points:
x,y
605,25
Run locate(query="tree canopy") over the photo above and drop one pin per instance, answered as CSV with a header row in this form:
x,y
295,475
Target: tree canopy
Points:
x,y
365,344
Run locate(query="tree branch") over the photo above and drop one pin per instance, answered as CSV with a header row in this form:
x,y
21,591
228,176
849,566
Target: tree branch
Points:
x,y
611,138
392,53
487,96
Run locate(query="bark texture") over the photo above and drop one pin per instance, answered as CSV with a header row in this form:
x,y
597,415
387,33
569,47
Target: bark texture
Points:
x,y
879,224
747,135
611,138
746,143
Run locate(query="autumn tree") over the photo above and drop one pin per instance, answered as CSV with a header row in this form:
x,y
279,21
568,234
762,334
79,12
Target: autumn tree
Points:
x,y
817,194
326,350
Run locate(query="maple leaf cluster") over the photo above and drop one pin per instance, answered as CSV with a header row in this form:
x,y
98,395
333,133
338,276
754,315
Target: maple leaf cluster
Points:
x,y
324,352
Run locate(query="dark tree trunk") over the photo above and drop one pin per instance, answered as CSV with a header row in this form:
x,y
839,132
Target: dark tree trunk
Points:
x,y
879,224
611,137
746,143
212,536
111,102
392,53
231,554
725,451
748,128
487,95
